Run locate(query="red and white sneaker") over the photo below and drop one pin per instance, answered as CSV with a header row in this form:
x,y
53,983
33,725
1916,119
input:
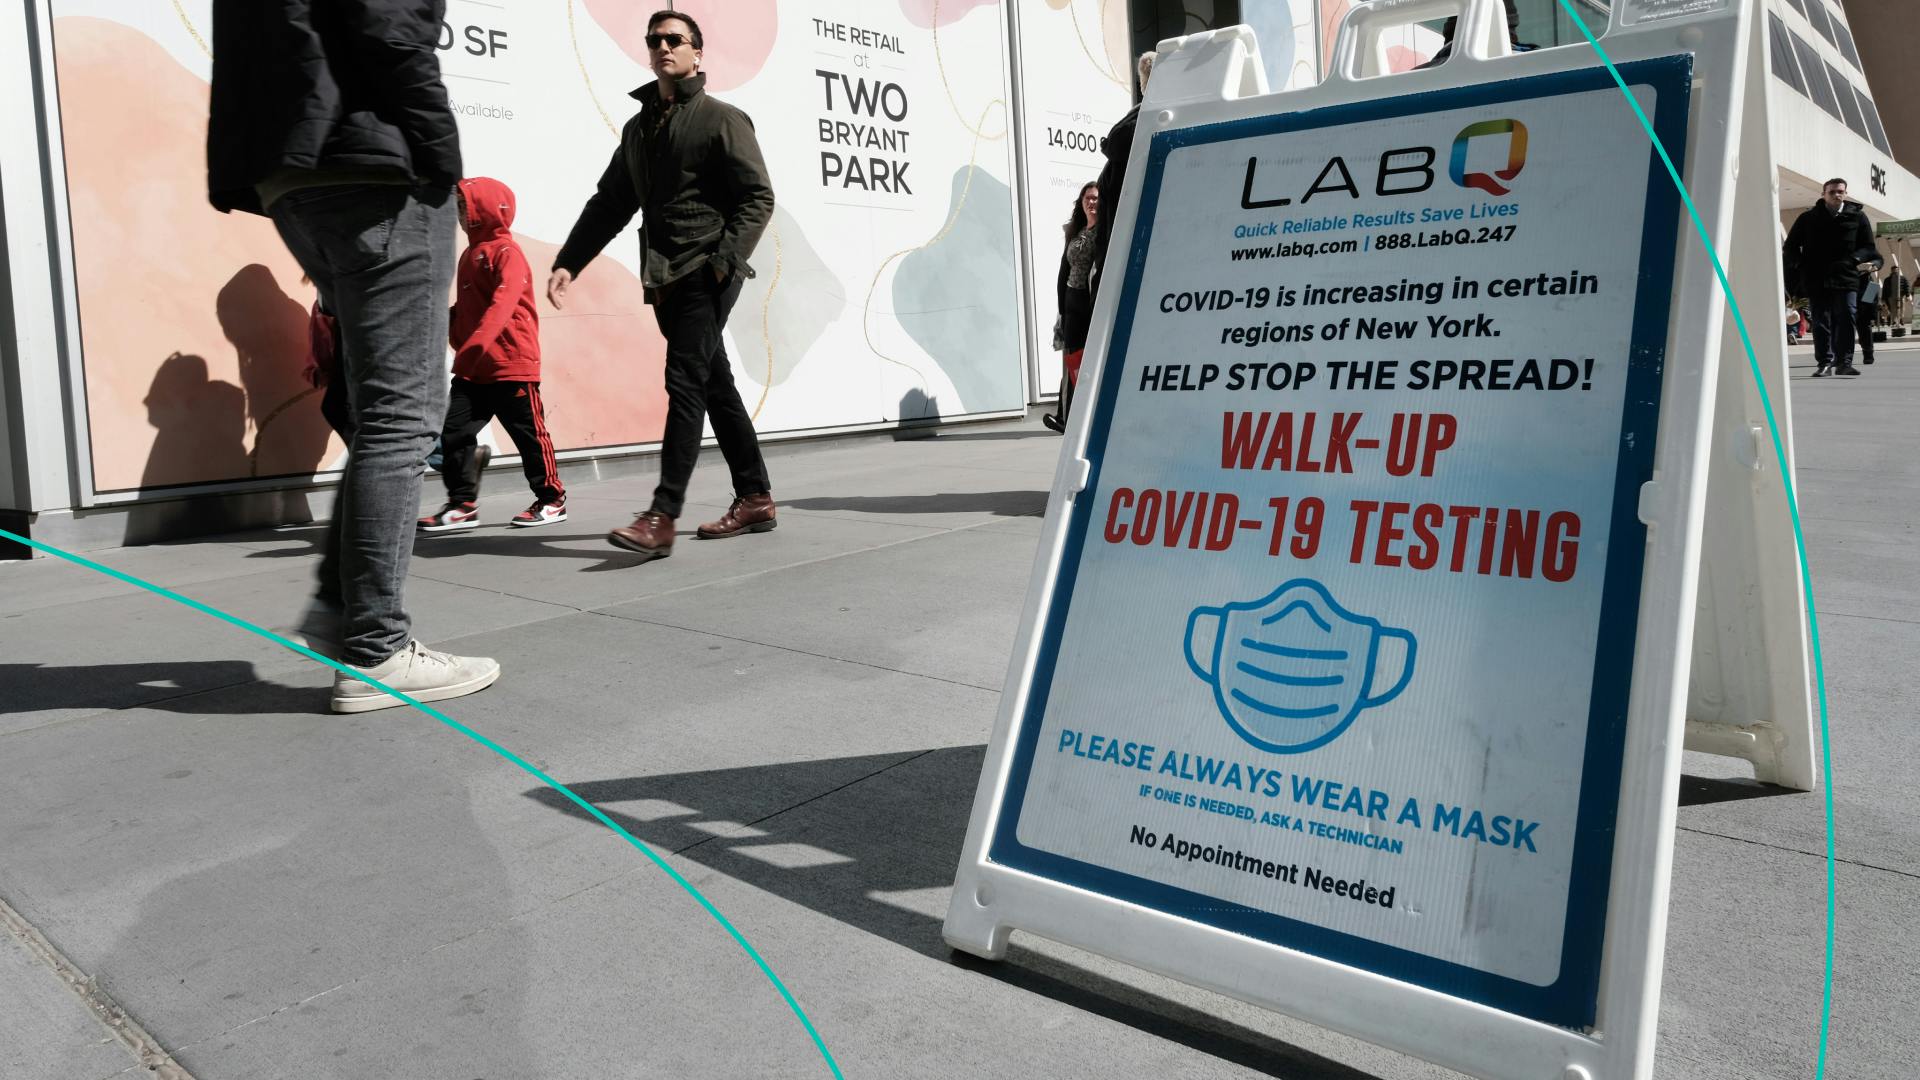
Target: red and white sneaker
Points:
x,y
540,513
451,517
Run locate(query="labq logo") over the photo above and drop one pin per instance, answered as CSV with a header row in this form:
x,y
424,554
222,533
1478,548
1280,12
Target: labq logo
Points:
x,y
1516,133
1406,170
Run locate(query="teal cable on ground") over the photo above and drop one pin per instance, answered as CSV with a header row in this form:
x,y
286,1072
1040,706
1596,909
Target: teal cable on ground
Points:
x,y
520,762
1793,510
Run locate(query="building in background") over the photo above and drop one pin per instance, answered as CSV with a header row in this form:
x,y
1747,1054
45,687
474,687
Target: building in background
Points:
x,y
1824,116
1882,33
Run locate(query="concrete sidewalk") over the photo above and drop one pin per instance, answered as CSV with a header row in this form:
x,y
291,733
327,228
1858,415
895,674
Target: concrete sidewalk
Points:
x,y
797,721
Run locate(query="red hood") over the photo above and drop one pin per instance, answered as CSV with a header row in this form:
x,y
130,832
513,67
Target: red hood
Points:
x,y
489,209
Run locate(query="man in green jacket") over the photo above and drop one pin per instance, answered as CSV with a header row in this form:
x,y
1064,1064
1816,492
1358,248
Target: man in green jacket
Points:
x,y
689,164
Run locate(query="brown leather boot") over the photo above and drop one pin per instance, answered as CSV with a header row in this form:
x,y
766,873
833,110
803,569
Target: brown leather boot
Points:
x,y
749,513
651,534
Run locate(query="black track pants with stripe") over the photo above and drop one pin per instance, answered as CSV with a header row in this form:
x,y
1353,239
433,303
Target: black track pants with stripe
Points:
x,y
470,406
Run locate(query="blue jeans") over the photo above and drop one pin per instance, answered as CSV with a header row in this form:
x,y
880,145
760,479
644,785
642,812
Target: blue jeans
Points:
x,y
383,261
1833,316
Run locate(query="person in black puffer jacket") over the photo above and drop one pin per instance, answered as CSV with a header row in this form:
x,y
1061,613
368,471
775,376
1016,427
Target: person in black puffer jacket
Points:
x,y
307,93
330,118
1825,252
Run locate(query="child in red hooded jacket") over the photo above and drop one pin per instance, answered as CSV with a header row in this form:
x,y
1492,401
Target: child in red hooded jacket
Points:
x,y
495,333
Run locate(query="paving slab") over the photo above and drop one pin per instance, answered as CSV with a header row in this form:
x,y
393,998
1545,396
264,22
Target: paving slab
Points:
x,y
31,585
572,563
623,984
1857,574
876,858
1872,711
1745,947
247,861
131,649
1836,495
943,606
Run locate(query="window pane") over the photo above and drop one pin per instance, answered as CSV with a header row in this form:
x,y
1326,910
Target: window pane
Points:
x,y
1800,7
1817,15
1846,46
1872,114
1781,53
1544,23
1815,70
1849,105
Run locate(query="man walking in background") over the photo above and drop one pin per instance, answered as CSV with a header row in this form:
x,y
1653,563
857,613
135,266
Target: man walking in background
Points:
x,y
690,165
1826,250
331,119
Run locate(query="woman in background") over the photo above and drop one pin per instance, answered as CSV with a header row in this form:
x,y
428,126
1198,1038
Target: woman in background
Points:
x,y
1076,298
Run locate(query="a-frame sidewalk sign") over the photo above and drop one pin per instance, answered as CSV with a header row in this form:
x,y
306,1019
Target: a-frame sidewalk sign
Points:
x,y
1354,672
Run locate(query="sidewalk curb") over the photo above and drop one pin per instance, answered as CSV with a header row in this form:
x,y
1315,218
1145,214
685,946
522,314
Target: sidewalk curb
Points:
x,y
146,1050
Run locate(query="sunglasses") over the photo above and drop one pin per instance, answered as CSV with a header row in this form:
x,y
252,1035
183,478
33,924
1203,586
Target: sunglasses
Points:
x,y
671,41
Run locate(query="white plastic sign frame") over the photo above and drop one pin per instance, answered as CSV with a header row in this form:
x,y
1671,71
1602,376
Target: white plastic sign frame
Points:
x,y
1751,694
1697,63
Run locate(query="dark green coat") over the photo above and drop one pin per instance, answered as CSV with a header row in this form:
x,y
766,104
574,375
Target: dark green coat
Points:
x,y
693,172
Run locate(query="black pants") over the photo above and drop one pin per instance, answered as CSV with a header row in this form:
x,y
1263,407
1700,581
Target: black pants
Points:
x,y
1076,318
1863,329
470,406
1833,317
691,313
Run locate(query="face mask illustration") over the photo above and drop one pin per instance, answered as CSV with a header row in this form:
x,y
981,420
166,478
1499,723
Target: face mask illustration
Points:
x,y
1290,671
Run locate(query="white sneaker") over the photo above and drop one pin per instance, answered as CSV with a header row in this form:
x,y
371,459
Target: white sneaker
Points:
x,y
320,629
540,513
418,672
451,518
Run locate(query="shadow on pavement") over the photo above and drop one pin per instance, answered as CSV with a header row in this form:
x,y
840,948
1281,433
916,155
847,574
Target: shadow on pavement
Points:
x,y
538,543
173,686
309,537
974,436
999,503
1703,790
312,548
254,929
867,841
492,540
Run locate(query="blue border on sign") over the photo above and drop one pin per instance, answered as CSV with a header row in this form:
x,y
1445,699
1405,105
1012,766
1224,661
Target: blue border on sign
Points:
x,y
1570,1001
